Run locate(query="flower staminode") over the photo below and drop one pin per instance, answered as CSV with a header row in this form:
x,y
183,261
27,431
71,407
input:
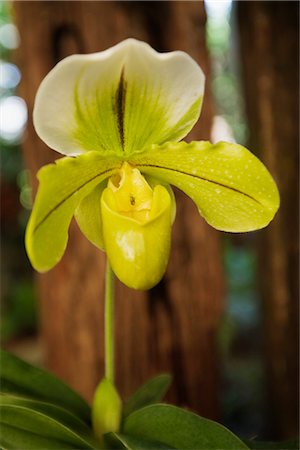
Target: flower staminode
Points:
x,y
119,117
131,193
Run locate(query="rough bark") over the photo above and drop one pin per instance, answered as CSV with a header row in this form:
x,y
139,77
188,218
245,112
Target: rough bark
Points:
x,y
269,50
173,326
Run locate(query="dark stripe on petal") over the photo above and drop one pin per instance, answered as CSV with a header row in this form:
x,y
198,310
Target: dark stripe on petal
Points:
x,y
108,172
120,105
199,178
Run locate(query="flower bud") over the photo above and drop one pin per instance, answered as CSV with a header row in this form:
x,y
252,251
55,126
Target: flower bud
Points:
x,y
106,409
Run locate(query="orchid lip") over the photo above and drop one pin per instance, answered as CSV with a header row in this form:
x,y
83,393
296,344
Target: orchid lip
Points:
x,y
136,233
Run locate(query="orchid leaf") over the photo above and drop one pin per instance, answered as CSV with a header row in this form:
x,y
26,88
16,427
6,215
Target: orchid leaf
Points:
x,y
19,378
38,427
231,187
32,408
151,392
88,216
118,101
180,429
13,438
119,441
62,186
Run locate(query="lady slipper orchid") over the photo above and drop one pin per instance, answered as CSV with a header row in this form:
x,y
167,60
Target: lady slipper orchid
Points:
x,y
119,115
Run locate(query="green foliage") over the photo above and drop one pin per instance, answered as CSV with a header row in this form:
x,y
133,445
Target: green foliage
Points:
x,y
151,392
38,411
120,441
21,379
180,429
49,425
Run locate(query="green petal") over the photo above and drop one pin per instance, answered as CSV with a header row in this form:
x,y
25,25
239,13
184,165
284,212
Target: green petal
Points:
x,y
231,187
62,186
138,251
88,216
118,101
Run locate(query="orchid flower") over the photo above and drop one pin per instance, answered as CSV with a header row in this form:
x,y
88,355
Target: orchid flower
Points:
x,y
119,116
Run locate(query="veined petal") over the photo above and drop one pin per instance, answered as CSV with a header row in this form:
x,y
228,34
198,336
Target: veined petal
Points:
x,y
62,186
118,101
231,187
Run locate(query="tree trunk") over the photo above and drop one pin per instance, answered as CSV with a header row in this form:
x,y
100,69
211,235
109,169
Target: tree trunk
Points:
x,y
269,50
173,326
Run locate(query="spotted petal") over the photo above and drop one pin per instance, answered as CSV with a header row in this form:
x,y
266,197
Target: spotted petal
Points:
x,y
231,187
118,101
62,187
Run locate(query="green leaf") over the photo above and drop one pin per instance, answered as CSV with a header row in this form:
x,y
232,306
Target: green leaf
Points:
x,y
12,438
52,411
231,187
20,421
118,101
180,429
151,392
291,444
19,378
62,187
119,441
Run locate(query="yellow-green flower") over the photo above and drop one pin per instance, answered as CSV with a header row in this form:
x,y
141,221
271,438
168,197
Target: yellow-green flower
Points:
x,y
119,115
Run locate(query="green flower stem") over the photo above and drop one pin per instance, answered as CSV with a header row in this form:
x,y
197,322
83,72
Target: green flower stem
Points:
x,y
109,323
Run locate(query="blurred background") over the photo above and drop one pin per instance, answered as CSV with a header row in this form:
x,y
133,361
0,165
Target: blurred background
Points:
x,y
224,320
